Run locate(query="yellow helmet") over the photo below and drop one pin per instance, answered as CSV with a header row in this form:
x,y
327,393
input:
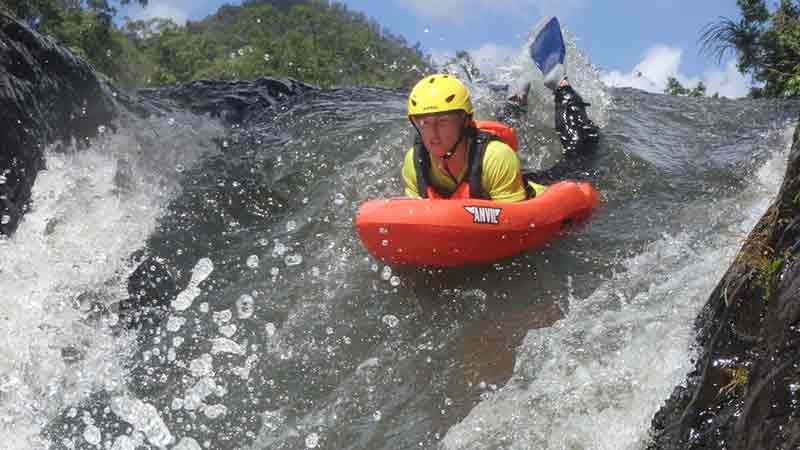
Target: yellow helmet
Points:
x,y
438,93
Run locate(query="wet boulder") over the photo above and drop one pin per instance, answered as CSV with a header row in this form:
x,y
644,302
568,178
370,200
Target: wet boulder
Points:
x,y
47,95
744,392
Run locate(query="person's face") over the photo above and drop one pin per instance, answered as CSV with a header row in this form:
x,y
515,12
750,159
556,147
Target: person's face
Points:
x,y
440,131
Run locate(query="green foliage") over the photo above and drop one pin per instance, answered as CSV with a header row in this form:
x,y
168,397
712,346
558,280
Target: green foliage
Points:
x,y
674,87
767,43
311,40
699,90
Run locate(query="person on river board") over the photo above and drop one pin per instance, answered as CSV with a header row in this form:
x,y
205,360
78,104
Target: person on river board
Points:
x,y
455,156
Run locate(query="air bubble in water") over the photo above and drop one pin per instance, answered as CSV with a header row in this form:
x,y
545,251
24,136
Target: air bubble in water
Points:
x,y
179,168
390,320
171,121
274,271
293,259
101,129
270,329
267,57
291,226
92,435
338,199
312,440
377,416
315,271
374,267
245,306
5,219
279,250
387,273
394,281
252,261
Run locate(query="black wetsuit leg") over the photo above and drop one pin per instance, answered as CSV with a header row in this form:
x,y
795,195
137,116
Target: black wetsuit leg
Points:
x,y
578,136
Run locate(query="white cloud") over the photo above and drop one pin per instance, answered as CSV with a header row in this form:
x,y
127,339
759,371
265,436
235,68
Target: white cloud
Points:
x,y
458,10
177,10
661,62
729,83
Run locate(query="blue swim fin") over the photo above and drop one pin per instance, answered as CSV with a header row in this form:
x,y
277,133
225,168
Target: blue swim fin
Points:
x,y
548,51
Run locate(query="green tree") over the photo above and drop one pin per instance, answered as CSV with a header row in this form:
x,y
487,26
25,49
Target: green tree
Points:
x,y
699,90
766,42
674,87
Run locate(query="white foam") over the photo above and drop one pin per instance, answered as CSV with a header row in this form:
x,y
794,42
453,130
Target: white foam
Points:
x,y
596,378
91,209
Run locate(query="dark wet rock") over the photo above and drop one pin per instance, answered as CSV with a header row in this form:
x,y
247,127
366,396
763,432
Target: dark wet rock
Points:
x,y
231,101
47,94
744,392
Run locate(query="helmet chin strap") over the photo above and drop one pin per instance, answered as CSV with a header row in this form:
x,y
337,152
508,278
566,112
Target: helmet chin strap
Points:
x,y
449,154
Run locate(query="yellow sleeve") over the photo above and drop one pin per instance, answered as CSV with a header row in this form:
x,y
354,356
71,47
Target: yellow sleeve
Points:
x,y
502,177
409,174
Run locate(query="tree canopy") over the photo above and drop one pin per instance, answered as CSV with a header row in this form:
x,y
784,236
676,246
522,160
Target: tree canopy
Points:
x,y
766,41
315,41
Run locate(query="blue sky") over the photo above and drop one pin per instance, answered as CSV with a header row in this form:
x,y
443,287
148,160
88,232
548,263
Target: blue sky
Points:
x,y
624,38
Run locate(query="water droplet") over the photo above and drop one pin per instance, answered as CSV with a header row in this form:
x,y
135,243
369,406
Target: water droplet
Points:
x,y
291,226
383,230
312,440
387,273
377,416
101,129
274,271
279,250
395,281
179,168
171,121
267,57
329,331
92,435
270,329
293,259
220,317
374,267
385,243
390,320
338,199
315,271
252,261
5,219
245,306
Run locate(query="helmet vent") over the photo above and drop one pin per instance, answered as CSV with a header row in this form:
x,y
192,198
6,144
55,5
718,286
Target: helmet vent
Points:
x,y
414,102
450,98
432,80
